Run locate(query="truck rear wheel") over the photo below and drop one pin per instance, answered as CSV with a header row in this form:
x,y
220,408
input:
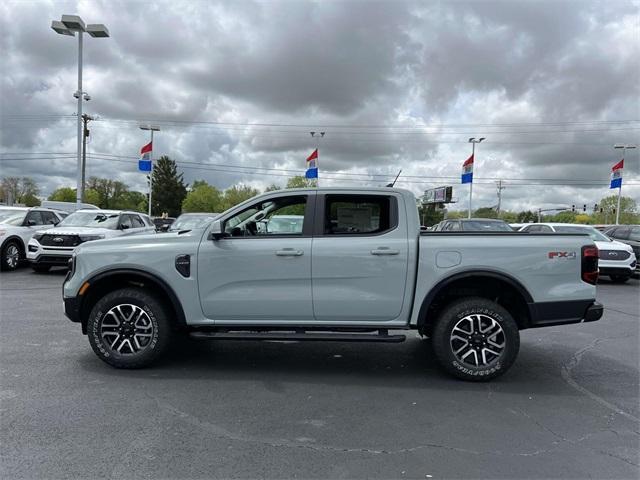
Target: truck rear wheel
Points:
x,y
128,328
475,339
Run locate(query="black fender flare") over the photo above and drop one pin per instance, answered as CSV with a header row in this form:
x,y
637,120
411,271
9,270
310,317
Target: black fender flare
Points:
x,y
426,302
166,289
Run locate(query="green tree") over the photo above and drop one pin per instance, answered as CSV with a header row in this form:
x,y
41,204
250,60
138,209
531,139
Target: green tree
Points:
x,y
203,198
429,215
20,190
63,194
131,200
108,192
301,182
526,217
169,189
238,194
485,212
272,188
608,205
566,216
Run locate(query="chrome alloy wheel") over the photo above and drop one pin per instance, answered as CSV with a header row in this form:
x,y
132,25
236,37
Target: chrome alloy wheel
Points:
x,y
126,329
12,256
477,340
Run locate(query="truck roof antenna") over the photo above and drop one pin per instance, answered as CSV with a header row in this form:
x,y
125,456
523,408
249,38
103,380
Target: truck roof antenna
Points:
x,y
394,180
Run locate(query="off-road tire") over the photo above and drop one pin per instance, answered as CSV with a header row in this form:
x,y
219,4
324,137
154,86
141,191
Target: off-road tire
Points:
x,y
154,314
465,312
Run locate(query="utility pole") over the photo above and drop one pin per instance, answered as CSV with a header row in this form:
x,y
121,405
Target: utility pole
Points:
x,y
317,135
85,133
500,187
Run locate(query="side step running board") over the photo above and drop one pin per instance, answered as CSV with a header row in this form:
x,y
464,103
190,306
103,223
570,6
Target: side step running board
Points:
x,y
299,336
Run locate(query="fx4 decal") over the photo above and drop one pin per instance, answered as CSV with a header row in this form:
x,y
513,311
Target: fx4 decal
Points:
x,y
568,255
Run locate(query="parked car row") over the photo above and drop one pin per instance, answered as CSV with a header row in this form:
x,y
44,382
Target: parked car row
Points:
x,y
47,237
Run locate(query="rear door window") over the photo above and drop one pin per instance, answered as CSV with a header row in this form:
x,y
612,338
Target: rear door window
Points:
x,y
359,214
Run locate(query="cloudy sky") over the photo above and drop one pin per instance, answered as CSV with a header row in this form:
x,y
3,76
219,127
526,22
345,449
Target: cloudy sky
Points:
x,y
237,86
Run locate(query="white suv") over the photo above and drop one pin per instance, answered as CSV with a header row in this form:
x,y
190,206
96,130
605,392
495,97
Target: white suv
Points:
x,y
17,226
54,247
615,259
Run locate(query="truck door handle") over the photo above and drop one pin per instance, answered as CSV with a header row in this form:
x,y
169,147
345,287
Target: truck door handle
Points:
x,y
384,251
289,252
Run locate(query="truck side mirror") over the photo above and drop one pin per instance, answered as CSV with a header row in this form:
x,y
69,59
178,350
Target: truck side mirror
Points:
x,y
216,232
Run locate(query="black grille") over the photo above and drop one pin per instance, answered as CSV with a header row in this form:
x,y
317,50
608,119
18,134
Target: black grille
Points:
x,y
614,255
49,240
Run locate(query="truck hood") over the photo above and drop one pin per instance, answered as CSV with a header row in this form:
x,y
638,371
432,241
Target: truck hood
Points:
x,y
613,245
150,240
81,231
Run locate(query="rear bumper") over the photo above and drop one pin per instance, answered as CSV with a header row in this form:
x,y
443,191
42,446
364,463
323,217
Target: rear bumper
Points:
x,y
547,314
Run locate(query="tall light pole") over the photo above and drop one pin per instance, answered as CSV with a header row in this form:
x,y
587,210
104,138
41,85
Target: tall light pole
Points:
x,y
473,142
152,129
624,148
70,25
317,135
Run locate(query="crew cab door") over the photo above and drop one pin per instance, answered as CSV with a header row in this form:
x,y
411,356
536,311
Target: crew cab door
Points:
x,y
255,273
360,257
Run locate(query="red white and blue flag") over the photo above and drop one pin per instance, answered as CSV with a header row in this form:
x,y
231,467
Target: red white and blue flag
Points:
x,y
312,165
144,164
467,170
616,174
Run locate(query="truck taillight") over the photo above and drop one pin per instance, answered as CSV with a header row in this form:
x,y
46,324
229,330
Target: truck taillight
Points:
x,y
590,264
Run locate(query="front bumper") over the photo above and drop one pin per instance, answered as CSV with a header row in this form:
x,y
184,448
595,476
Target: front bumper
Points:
x,y
72,309
548,314
621,271
52,256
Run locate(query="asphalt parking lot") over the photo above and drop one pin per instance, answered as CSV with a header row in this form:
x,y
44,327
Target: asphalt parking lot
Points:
x,y
569,408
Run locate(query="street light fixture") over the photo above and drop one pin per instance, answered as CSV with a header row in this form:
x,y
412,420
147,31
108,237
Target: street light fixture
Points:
x,y
70,25
624,147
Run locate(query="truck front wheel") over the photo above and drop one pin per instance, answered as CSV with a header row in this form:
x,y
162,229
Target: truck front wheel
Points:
x,y
128,328
475,339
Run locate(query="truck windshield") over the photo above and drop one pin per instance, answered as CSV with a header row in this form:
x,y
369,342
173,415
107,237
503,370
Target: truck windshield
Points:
x,y
592,232
91,220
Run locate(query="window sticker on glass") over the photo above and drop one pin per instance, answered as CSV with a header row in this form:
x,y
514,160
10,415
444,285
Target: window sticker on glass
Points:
x,y
355,219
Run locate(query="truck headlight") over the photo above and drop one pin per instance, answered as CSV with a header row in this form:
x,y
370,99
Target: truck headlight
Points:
x,y
38,236
88,238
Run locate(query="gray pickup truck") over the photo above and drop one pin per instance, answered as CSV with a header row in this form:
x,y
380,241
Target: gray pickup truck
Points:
x,y
357,268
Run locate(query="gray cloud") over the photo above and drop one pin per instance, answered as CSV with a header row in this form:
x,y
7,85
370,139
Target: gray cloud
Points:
x,y
332,63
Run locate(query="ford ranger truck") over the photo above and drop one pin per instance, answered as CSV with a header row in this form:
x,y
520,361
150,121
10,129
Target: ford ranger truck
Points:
x,y
356,268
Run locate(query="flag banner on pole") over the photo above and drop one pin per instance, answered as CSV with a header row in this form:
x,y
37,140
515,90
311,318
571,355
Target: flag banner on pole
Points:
x,y
467,170
144,164
312,165
616,174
